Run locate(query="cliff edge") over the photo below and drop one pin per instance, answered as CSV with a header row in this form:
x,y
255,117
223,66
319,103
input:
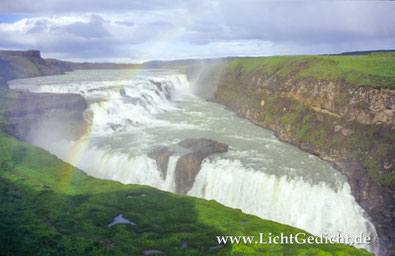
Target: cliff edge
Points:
x,y
340,108
25,64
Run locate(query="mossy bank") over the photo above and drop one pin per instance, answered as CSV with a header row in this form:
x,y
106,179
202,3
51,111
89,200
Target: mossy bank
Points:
x,y
341,108
48,207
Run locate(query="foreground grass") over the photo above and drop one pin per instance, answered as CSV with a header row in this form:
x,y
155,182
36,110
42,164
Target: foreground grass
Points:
x,y
374,70
48,207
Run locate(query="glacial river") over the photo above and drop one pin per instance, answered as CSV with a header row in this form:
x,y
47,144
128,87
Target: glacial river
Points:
x,y
134,111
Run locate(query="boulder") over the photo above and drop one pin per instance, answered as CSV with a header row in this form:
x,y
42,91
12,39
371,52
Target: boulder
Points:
x,y
161,156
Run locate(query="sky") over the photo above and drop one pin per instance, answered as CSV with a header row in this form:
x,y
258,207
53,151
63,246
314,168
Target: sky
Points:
x,y
141,30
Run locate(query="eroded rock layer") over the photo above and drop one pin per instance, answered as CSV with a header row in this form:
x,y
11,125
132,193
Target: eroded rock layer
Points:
x,y
351,126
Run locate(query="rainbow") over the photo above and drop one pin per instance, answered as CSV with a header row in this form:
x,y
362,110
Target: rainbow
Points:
x,y
80,146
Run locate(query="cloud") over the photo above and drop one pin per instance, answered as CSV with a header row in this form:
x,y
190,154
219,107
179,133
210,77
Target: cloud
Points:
x,y
154,29
301,21
83,6
94,28
125,23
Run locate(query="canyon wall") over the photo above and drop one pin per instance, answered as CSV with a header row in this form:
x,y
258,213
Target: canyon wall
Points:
x,y
25,111
346,123
344,120
24,64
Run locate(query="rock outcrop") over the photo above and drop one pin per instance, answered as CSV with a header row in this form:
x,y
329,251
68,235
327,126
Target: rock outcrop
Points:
x,y
59,111
188,166
350,126
25,64
161,156
193,152
365,105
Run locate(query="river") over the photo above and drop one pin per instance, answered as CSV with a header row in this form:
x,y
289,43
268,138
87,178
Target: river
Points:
x,y
133,112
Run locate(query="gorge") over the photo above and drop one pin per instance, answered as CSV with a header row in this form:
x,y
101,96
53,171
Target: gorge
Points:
x,y
151,119
130,118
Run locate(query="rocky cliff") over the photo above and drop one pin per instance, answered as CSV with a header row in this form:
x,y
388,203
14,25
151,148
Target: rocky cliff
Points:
x,y
344,120
28,111
24,64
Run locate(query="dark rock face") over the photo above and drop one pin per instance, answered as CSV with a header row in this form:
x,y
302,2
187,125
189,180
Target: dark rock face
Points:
x,y
162,88
193,152
24,64
6,73
188,165
65,111
161,156
29,53
204,146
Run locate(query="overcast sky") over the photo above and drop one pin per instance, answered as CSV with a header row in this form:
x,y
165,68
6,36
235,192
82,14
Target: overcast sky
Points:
x,y
139,30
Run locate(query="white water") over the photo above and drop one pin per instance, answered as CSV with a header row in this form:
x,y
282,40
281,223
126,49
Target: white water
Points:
x,y
131,114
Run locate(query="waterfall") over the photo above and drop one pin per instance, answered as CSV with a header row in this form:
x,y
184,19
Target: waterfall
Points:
x,y
131,116
318,208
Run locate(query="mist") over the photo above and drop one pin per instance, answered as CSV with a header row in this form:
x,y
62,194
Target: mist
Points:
x,y
53,134
204,77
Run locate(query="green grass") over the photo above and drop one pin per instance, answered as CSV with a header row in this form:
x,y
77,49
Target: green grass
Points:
x,y
302,132
374,70
48,207
6,96
25,66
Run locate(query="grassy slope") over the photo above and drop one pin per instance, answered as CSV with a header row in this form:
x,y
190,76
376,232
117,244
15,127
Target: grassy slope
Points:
x,y
376,69
48,207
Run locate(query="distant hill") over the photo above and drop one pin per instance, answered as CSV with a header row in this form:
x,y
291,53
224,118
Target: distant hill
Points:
x,y
184,62
24,64
362,52
87,65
